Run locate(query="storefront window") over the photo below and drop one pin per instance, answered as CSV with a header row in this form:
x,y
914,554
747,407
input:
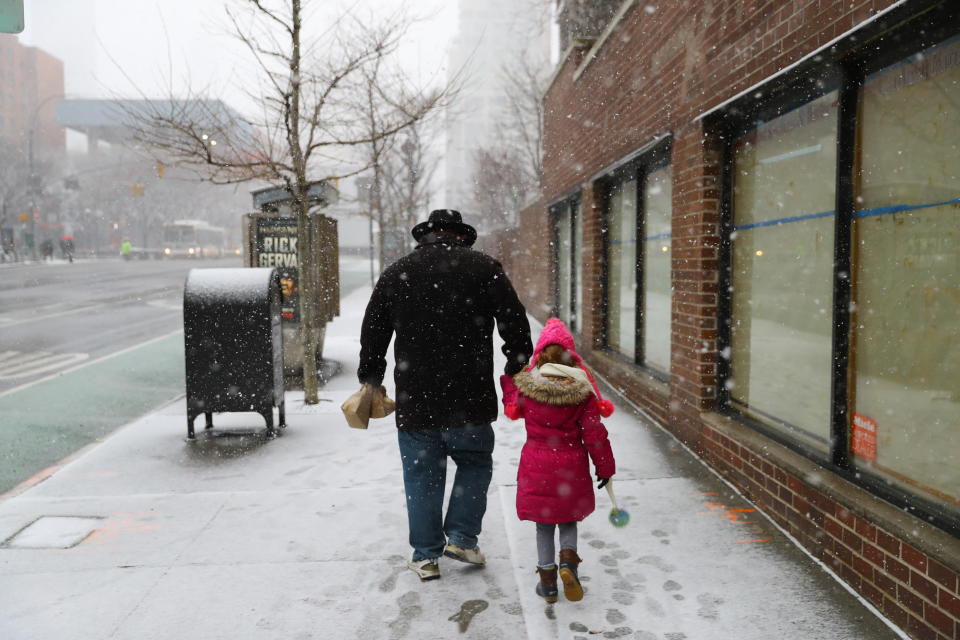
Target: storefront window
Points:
x,y
782,271
622,269
657,211
569,234
564,262
577,266
905,404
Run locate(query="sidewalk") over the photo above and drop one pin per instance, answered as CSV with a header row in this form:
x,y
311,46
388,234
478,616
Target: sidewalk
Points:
x,y
304,536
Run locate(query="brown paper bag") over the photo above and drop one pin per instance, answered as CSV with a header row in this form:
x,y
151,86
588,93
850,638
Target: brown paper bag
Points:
x,y
382,406
368,402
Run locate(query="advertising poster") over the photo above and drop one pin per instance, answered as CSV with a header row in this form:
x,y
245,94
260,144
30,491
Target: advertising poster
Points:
x,y
864,440
276,240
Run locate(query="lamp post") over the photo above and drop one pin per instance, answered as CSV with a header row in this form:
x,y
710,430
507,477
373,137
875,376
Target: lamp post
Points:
x,y
408,148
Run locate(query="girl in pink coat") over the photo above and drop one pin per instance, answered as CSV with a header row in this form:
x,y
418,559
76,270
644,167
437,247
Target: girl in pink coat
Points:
x,y
561,406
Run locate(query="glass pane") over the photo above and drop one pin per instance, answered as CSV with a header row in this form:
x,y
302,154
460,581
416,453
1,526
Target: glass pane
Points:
x,y
622,270
577,267
564,250
783,270
656,269
906,332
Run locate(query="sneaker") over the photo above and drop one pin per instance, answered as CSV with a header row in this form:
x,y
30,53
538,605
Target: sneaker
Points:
x,y
470,556
427,569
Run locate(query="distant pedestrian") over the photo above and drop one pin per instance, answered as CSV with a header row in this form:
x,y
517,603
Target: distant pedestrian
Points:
x,y
66,247
561,407
126,249
46,250
442,301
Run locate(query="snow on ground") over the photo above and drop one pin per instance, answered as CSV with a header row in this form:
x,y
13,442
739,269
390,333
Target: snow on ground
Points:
x,y
304,536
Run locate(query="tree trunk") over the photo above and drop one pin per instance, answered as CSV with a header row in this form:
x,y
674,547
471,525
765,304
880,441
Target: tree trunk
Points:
x,y
306,256
306,263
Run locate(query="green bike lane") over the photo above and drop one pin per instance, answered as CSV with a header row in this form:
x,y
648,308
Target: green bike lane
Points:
x,y
54,418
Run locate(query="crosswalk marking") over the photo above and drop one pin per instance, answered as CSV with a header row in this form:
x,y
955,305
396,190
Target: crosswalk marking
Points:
x,y
23,364
166,304
10,359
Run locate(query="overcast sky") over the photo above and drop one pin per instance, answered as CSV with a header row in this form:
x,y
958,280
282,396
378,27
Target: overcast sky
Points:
x,y
116,47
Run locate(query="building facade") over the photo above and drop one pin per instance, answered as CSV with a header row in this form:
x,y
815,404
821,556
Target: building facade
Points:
x,y
31,82
754,230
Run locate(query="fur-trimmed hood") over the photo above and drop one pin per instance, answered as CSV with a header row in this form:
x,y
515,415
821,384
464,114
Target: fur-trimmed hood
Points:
x,y
552,391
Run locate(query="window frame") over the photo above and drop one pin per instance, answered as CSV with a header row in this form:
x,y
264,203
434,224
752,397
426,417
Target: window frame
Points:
x,y
638,169
572,203
845,66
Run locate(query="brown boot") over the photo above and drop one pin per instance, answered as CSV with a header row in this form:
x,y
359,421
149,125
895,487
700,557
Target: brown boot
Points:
x,y
547,587
569,561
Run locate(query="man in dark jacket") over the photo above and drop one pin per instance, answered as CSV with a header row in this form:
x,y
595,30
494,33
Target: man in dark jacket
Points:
x,y
442,301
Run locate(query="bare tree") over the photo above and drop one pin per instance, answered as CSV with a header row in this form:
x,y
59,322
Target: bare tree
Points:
x,y
526,82
14,178
400,170
400,187
407,175
311,114
500,186
29,183
509,173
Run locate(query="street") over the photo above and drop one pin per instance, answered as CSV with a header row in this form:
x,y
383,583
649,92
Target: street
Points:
x,y
87,347
84,347
56,316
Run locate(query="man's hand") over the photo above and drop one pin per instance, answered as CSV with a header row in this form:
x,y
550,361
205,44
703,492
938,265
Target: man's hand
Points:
x,y
603,482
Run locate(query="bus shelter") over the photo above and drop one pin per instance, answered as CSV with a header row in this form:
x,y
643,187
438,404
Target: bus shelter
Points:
x,y
270,239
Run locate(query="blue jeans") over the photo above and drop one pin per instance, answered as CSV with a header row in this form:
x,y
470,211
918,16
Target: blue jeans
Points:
x,y
424,453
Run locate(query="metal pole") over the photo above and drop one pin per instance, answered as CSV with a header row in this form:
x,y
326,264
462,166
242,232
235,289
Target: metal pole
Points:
x,y
371,247
33,196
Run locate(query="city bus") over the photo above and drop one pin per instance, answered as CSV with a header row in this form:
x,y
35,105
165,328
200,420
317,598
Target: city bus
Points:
x,y
193,239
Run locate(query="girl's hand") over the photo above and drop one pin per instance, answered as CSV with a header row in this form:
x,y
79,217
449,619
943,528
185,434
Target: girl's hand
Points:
x,y
603,482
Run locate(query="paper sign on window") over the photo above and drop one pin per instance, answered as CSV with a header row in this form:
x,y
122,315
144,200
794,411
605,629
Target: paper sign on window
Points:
x,y
864,441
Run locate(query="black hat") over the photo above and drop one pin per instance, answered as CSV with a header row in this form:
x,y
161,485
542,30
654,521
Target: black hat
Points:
x,y
445,220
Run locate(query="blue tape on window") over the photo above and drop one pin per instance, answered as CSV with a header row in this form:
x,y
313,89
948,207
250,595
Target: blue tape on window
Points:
x,y
864,213
780,221
898,208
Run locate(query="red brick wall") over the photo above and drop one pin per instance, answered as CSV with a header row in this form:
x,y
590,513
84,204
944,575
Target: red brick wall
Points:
x,y
657,72
695,279
526,258
654,75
